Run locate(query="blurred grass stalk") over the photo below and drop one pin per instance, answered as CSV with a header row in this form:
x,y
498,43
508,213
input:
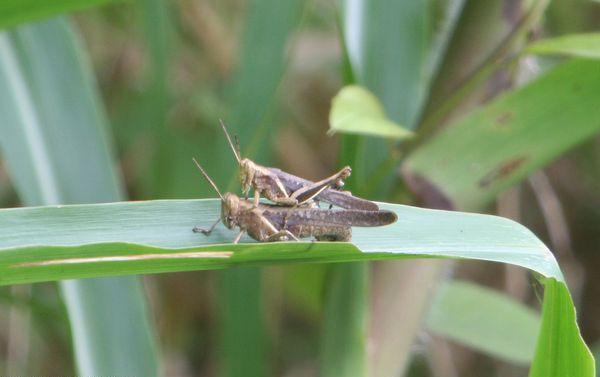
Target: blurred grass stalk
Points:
x,y
343,338
262,61
399,78
157,30
55,142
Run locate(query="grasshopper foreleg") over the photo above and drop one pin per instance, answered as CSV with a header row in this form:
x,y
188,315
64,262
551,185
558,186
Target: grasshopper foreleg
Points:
x,y
279,236
256,198
238,237
208,231
283,198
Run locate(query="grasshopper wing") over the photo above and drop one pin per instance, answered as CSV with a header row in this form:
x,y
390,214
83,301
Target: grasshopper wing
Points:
x,y
339,198
285,217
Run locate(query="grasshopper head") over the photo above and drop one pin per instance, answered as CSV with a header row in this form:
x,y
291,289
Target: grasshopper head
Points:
x,y
229,210
247,169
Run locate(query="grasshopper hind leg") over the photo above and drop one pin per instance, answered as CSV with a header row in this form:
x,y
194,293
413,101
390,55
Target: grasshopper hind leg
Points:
x,y
308,193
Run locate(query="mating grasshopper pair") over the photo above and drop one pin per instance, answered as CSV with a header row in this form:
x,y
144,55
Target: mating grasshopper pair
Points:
x,y
295,214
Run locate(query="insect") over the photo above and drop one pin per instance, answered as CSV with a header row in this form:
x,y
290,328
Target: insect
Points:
x,y
289,190
269,222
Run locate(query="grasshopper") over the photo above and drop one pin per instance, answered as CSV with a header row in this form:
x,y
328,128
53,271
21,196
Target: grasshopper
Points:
x,y
269,222
289,190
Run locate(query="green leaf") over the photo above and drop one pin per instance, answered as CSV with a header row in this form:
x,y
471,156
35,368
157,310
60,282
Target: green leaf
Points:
x,y
574,45
355,110
64,242
486,320
559,333
473,160
13,12
38,243
54,140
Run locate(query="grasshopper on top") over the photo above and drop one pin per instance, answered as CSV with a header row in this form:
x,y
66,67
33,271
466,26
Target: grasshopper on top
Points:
x,y
289,190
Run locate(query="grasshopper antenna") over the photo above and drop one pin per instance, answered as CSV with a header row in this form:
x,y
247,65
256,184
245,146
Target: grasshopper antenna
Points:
x,y
235,152
208,179
237,145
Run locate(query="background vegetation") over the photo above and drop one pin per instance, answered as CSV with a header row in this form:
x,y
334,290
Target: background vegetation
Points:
x,y
501,126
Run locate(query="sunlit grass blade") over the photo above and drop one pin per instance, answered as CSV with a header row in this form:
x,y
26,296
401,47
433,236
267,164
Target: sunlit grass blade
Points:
x,y
40,239
54,140
50,243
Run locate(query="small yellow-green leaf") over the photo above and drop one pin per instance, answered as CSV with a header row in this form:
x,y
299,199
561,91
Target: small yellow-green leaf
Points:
x,y
355,110
585,45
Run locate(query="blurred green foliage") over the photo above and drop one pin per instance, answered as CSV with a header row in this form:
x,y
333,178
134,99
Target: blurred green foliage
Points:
x,y
169,70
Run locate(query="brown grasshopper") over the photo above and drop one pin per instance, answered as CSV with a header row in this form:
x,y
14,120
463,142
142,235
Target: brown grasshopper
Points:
x,y
289,190
268,222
